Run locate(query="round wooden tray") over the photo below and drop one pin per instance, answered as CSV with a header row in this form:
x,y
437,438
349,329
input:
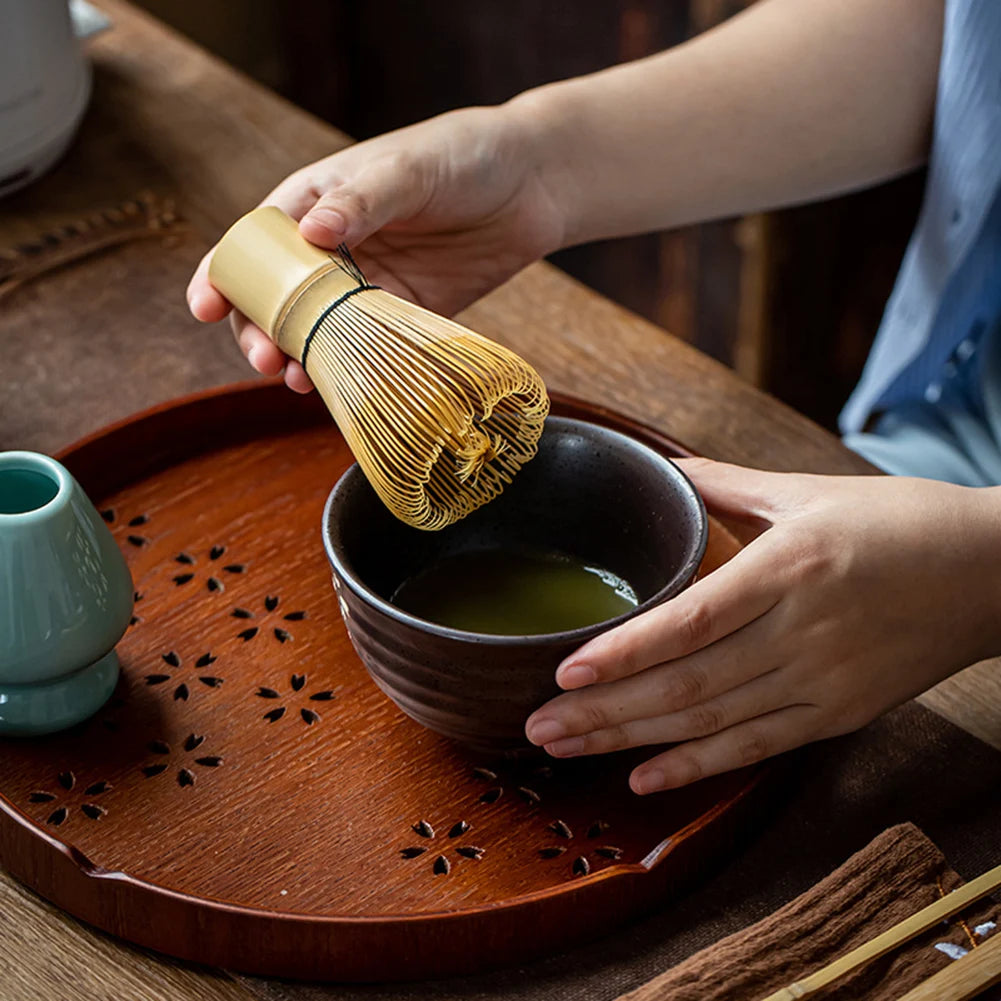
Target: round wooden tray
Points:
x,y
249,799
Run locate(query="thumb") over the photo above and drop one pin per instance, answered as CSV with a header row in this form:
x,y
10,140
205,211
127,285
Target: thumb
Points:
x,y
750,495
387,189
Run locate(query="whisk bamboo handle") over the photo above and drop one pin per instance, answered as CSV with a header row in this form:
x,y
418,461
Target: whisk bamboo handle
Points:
x,y
907,929
279,280
262,263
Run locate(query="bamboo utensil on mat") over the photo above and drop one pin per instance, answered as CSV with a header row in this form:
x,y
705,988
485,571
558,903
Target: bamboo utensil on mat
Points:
x,y
893,937
979,969
438,417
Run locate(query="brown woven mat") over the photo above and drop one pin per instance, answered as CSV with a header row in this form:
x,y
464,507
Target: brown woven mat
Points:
x,y
894,876
836,797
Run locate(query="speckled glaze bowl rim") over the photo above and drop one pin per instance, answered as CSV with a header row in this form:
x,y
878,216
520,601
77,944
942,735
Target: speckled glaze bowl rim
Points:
x,y
681,577
36,462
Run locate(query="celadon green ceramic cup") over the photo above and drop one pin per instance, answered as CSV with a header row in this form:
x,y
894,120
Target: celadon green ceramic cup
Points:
x,y
65,599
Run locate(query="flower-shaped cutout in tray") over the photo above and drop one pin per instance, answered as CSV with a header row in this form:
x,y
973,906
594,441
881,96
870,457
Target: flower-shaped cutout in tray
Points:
x,y
249,799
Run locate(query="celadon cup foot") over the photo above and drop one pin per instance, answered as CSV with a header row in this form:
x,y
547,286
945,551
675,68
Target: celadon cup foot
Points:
x,y
32,710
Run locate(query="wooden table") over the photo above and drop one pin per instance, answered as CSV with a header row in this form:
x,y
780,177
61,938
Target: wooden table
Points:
x,y
169,119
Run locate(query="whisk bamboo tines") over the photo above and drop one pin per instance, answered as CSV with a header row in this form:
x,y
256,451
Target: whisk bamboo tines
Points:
x,y
439,417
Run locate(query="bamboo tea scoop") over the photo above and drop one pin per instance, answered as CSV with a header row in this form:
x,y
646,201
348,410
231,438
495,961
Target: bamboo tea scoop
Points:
x,y
900,933
965,978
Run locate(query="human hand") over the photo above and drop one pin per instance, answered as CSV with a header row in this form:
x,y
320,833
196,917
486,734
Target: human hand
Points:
x,y
859,593
440,212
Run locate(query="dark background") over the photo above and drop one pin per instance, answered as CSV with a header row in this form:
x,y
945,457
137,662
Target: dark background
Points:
x,y
791,299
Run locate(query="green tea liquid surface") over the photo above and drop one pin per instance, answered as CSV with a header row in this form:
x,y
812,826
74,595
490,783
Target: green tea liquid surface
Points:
x,y
506,593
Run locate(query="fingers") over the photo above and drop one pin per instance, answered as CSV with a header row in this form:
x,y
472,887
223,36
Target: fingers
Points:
x,y
747,494
743,744
331,211
391,187
262,353
759,696
205,303
296,194
296,378
680,693
725,601
265,356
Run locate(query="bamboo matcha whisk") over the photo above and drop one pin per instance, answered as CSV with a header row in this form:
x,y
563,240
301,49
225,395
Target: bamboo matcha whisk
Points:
x,y
438,417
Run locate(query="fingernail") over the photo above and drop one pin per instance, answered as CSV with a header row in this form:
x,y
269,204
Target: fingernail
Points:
x,y
545,731
250,356
576,676
565,748
331,219
647,782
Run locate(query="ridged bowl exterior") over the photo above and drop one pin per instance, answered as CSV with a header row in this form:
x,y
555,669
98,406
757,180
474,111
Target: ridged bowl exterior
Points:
x,y
591,493
476,692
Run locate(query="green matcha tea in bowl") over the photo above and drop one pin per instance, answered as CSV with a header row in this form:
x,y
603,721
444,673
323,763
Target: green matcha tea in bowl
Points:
x,y
464,628
515,592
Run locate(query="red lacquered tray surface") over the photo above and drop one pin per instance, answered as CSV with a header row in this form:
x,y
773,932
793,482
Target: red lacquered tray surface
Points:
x,y
249,799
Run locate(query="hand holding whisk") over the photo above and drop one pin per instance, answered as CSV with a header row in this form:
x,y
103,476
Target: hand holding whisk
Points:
x,y
439,418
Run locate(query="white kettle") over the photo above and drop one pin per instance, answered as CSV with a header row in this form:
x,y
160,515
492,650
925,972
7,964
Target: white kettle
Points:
x,y
44,87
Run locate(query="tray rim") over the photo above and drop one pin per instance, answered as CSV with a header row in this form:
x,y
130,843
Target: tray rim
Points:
x,y
645,866
622,875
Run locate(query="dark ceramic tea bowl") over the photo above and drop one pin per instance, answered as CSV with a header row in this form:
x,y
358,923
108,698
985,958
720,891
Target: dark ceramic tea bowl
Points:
x,y
591,493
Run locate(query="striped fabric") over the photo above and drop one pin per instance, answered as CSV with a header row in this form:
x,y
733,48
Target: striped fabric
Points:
x,y
947,298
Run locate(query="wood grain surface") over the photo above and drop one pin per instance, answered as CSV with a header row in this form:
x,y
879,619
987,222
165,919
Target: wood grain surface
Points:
x,y
47,956
97,340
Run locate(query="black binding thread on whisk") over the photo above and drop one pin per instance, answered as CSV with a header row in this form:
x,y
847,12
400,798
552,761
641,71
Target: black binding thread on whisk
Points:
x,y
347,264
316,326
